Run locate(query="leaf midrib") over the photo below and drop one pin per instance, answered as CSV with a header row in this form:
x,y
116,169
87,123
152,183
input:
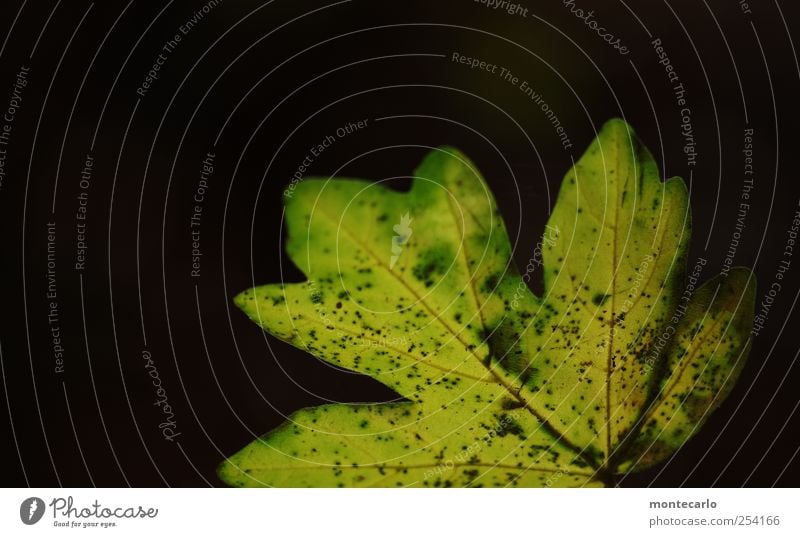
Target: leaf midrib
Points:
x,y
399,467
546,425
515,393
421,359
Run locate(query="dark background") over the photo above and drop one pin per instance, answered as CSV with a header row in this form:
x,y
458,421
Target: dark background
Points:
x,y
271,80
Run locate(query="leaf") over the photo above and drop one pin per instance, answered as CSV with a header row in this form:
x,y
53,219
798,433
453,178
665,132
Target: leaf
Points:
x,y
613,369
708,350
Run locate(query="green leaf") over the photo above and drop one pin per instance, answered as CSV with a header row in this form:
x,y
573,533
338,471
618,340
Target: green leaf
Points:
x,y
610,371
708,350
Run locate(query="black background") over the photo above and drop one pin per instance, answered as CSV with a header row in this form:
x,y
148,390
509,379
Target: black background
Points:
x,y
272,80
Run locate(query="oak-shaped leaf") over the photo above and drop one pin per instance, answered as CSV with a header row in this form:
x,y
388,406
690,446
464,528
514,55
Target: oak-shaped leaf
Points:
x,y
618,363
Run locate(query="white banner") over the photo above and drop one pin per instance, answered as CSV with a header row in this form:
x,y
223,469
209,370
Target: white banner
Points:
x,y
400,512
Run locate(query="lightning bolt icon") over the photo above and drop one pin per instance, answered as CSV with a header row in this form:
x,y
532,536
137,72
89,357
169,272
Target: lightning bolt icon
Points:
x,y
33,508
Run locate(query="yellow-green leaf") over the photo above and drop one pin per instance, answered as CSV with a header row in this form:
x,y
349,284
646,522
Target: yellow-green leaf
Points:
x,y
419,291
707,350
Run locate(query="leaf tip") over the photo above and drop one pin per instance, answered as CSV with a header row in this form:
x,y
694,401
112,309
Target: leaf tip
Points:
x,y
441,164
617,127
243,299
742,281
230,473
744,278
